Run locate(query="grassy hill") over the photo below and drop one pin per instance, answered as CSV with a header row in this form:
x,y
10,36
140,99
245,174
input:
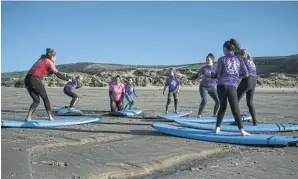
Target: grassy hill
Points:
x,y
99,74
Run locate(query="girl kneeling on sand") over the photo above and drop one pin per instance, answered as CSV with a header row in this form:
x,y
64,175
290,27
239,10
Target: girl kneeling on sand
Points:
x,y
116,93
229,68
130,93
45,64
174,86
74,84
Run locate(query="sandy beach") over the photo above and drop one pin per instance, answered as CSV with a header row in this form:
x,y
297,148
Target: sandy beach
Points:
x,y
118,147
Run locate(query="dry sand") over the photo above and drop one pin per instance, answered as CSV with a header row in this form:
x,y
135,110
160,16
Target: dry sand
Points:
x,y
129,147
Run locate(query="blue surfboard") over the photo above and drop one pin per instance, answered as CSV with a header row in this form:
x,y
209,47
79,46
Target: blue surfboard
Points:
x,y
225,137
132,112
174,115
47,123
169,115
210,119
64,112
247,127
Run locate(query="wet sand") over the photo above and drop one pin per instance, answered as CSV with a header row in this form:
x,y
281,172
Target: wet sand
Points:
x,y
117,147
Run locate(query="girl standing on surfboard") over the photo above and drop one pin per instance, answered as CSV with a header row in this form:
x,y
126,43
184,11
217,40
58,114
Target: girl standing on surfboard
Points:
x,y
248,85
130,93
116,93
34,84
207,85
74,84
174,86
229,68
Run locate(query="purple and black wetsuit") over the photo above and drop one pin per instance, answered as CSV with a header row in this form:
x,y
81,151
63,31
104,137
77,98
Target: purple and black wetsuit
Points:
x,y
229,69
207,85
248,85
173,84
74,84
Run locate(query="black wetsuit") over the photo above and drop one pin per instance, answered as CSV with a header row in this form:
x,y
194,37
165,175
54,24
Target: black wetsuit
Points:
x,y
36,88
248,86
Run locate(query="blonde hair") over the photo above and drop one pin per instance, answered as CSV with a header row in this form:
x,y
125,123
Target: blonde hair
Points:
x,y
243,53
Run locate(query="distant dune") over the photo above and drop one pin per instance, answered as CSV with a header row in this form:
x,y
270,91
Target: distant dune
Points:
x,y
279,71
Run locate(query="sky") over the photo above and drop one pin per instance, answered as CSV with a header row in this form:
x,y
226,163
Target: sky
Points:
x,y
143,33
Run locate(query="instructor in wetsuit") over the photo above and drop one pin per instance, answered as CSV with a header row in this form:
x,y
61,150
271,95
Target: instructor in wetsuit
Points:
x,y
34,84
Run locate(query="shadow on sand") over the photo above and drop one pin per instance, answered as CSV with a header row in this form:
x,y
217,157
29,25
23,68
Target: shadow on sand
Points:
x,y
131,132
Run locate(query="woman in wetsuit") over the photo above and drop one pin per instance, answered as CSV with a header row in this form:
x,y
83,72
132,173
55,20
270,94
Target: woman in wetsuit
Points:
x,y
248,85
207,85
34,84
229,68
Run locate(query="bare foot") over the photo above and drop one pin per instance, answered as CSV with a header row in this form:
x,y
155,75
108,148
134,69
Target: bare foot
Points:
x,y
51,118
217,130
244,133
28,119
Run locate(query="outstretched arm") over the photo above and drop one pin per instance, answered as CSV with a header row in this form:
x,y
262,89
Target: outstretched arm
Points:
x,y
165,86
134,91
52,68
243,69
110,93
62,76
197,75
218,71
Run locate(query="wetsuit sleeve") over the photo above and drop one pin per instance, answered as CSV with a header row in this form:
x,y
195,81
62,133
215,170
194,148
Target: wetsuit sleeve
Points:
x,y
110,95
51,66
243,68
61,76
110,87
166,84
78,83
199,74
125,86
218,70
134,88
123,93
179,83
110,92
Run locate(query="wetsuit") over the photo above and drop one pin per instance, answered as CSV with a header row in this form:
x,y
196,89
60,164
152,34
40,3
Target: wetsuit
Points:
x,y
248,85
116,93
74,84
129,94
173,84
229,68
34,84
207,85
